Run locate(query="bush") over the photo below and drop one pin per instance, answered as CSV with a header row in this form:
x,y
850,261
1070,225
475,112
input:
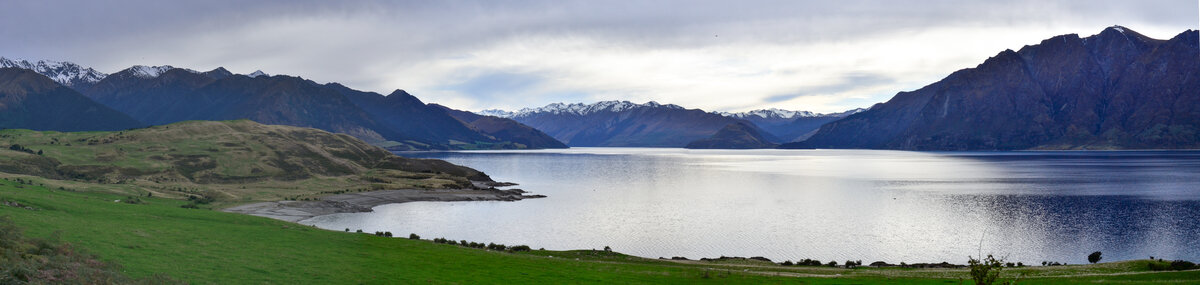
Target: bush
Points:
x,y
1182,265
414,236
1094,257
608,249
832,264
521,248
190,206
986,271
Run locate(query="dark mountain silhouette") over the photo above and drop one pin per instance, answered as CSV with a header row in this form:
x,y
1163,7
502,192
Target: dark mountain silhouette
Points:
x,y
164,95
504,129
151,100
405,114
29,100
1114,90
623,124
739,135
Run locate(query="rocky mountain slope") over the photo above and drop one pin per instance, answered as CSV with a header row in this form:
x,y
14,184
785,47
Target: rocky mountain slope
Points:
x,y
1115,90
29,100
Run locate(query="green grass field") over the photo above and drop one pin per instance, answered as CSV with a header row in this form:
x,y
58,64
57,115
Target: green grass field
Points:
x,y
211,247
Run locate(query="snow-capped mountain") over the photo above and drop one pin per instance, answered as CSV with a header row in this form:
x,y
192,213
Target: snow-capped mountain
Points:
x,y
577,109
776,113
257,73
65,73
620,123
497,113
772,113
147,72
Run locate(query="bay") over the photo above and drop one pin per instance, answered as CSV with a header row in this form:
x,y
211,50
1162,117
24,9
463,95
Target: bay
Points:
x,y
869,205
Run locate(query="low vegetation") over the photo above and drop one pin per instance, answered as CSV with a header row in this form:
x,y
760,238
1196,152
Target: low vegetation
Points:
x,y
226,162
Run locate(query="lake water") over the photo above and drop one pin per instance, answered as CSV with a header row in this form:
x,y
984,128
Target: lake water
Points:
x,y
839,205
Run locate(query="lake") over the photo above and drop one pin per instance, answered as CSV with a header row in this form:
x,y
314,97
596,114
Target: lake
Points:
x,y
868,205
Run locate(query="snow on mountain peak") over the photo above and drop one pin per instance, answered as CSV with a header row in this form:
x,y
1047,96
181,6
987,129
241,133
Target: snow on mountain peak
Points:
x,y
496,113
772,113
63,72
578,108
257,73
147,72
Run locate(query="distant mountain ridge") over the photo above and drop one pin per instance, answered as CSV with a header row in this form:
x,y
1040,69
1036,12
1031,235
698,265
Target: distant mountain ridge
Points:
x,y
29,100
65,73
739,135
1115,90
157,95
621,123
577,109
567,121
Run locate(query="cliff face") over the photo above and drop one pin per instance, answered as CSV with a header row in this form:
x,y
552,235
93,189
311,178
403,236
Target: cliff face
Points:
x,y
1115,90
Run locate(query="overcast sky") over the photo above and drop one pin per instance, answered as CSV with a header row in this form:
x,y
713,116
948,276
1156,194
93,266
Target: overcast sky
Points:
x,y
823,56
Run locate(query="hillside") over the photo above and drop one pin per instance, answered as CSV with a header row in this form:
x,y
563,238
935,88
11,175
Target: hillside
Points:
x,y
1115,90
29,100
504,129
734,136
623,124
229,161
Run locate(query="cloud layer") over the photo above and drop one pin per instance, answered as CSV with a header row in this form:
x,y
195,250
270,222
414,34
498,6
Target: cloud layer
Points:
x,y
822,56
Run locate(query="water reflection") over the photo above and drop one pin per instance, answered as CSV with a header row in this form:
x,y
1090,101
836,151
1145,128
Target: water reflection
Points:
x,y
824,204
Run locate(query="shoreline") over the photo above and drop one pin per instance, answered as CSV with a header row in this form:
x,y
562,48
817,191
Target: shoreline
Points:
x,y
361,202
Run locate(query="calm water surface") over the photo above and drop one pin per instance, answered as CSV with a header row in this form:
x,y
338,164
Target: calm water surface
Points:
x,y
824,204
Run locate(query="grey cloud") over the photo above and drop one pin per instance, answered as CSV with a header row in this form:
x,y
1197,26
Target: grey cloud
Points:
x,y
849,82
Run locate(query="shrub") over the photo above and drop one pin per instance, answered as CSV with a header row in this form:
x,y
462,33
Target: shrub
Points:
x,y
1182,265
985,271
190,206
414,236
608,249
1094,257
359,231
832,264
387,234
463,242
521,248
787,263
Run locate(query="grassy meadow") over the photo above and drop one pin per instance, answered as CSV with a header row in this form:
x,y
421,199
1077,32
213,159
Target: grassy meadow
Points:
x,y
157,236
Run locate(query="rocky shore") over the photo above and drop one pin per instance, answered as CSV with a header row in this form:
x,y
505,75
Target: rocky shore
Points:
x,y
294,211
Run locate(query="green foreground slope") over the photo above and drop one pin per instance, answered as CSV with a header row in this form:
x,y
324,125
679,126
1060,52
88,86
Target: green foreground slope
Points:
x,y
207,247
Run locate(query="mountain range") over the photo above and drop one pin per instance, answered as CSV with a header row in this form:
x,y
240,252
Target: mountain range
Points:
x,y
623,123
620,123
1118,89
29,100
157,95
1114,90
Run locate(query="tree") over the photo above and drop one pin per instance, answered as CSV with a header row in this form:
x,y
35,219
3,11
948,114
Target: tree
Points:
x,y
1094,257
